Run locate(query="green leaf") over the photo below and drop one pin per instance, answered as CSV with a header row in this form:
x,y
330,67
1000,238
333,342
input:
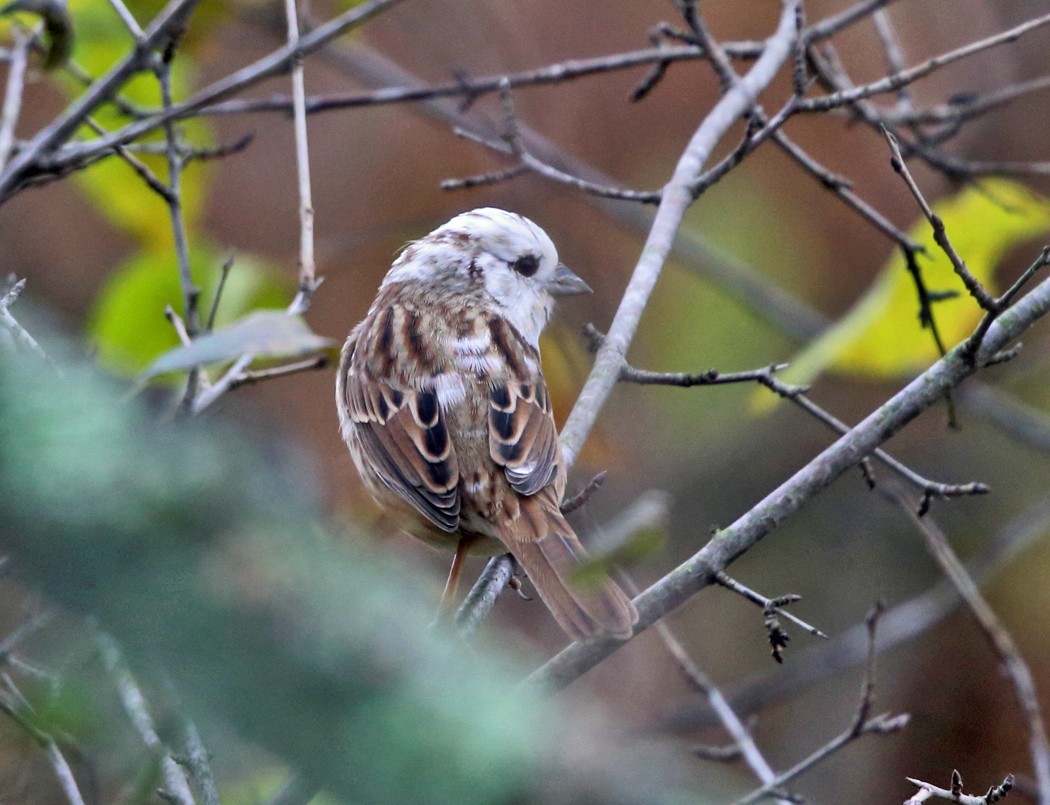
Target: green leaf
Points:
x,y
264,333
127,326
881,337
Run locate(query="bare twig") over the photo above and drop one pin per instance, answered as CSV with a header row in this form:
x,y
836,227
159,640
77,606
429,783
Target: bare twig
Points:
x,y
902,622
863,724
954,794
198,765
195,760
730,583
511,142
959,110
103,89
999,638
797,395
224,274
482,596
67,782
137,165
575,502
1004,301
307,269
247,378
169,19
973,285
128,19
894,82
10,324
13,91
743,743
891,46
190,291
676,197
175,785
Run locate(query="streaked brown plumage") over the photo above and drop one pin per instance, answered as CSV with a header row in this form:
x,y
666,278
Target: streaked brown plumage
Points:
x,y
444,407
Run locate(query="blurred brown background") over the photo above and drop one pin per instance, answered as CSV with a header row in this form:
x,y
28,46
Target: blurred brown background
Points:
x,y
376,173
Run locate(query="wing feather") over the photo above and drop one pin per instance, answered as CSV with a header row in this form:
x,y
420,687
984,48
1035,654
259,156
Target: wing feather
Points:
x,y
523,438
404,437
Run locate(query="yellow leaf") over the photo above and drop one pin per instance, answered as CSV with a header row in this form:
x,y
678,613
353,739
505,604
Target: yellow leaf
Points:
x,y
881,336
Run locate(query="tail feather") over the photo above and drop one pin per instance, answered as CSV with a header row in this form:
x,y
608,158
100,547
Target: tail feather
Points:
x,y
550,553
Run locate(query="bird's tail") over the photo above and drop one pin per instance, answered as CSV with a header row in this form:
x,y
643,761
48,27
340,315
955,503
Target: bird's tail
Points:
x,y
550,553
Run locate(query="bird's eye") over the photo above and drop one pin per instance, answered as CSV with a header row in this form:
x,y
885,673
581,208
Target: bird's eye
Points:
x,y
527,265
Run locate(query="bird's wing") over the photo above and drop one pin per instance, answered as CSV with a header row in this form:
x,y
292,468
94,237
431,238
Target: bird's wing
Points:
x,y
523,438
405,440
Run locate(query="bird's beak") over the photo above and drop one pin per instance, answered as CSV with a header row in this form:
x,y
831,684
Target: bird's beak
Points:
x,y
565,283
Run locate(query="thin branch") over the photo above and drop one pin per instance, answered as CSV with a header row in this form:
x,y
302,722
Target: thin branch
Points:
x,y
512,143
844,19
841,188
66,781
743,743
730,583
862,724
103,89
468,87
727,545
578,500
796,395
959,110
195,761
482,596
891,46
955,794
973,285
171,17
175,785
224,274
249,378
307,268
137,165
1004,301
197,764
999,639
13,91
676,197
892,83
128,19
10,324
904,621
225,383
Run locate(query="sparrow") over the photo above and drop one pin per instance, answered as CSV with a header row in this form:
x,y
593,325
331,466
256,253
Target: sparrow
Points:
x,y
444,408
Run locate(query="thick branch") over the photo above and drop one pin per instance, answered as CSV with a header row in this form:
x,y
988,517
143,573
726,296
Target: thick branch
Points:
x,y
698,572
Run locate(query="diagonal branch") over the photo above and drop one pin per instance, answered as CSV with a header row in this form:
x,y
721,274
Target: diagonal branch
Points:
x,y
676,198
174,14
726,546
999,638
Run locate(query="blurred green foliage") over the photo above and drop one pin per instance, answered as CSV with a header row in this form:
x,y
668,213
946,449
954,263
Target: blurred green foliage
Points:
x,y
206,559
203,554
